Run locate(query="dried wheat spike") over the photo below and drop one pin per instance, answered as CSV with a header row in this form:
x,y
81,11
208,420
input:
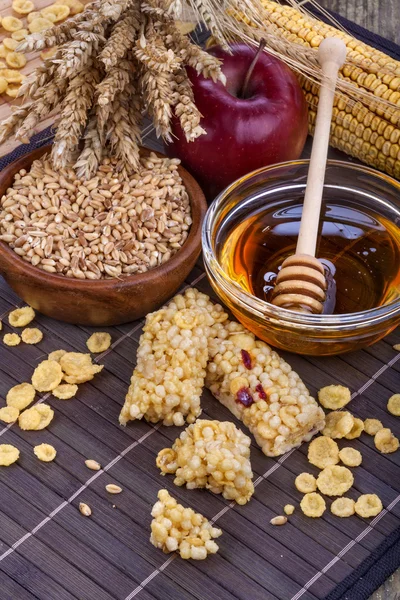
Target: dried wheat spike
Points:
x,y
91,155
121,40
185,109
124,129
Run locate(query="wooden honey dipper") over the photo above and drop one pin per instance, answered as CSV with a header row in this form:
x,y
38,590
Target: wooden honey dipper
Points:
x,y
301,283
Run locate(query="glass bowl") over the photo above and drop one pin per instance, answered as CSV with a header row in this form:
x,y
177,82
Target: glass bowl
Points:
x,y
302,333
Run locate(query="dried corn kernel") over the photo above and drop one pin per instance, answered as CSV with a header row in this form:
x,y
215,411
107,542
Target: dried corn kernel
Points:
x,y
13,90
32,335
338,424
40,24
9,414
343,507
21,317
175,527
214,455
78,367
75,6
11,23
20,35
56,12
260,389
65,391
393,405
334,396
15,77
335,481
36,418
3,85
322,452
8,455
288,509
23,7
20,396
10,44
372,426
47,376
169,376
356,430
350,457
15,60
305,483
368,505
385,441
99,342
11,339
45,452
313,505
56,355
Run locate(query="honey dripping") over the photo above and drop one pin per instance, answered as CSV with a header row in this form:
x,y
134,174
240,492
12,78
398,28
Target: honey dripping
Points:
x,y
360,252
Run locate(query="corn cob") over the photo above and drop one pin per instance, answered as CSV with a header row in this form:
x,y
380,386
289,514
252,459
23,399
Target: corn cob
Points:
x,y
214,455
261,390
168,380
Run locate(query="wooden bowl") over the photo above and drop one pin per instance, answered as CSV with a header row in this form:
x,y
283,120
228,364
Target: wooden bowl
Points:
x,y
108,301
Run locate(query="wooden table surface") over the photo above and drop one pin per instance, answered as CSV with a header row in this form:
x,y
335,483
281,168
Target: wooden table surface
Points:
x,y
383,17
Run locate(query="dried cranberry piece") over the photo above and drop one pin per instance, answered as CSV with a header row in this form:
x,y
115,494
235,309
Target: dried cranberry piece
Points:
x,y
244,397
246,358
261,391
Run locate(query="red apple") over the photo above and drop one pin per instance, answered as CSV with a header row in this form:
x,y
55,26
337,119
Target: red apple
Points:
x,y
268,125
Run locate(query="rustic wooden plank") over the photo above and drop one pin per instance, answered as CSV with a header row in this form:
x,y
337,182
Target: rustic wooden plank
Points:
x,y
11,590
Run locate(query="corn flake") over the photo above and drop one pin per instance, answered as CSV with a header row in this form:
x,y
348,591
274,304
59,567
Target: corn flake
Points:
x,y
32,16
335,481
350,457
32,335
36,418
313,505
322,452
65,391
78,367
372,426
13,89
47,376
99,342
334,396
3,51
56,355
10,44
40,24
21,317
8,455
343,507
12,23
393,405
15,60
13,76
75,6
11,339
23,7
338,424
20,35
45,452
305,483
20,396
9,414
56,12
356,430
385,441
3,85
368,505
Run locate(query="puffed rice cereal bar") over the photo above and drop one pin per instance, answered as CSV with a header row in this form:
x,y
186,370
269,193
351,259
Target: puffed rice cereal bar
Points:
x,y
167,382
261,390
175,527
214,455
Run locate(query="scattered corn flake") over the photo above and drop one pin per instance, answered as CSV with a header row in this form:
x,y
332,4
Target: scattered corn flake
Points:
x,y
338,424
10,44
36,418
334,396
75,6
372,426
343,507
305,483
20,35
313,505
21,317
40,24
322,452
56,12
23,7
20,396
3,51
3,85
32,16
13,76
99,342
56,355
9,414
47,376
49,17
368,505
31,335
11,339
45,452
78,367
356,430
12,23
65,391
288,509
335,481
385,441
13,89
16,60
350,457
8,455
393,405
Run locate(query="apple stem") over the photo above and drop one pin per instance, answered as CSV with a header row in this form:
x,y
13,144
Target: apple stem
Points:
x,y
251,68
